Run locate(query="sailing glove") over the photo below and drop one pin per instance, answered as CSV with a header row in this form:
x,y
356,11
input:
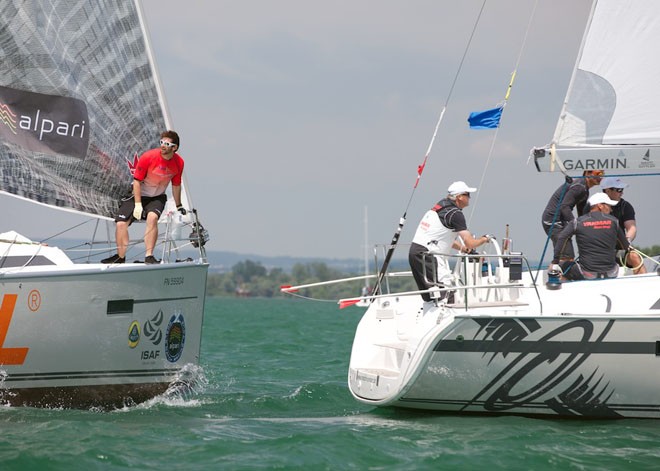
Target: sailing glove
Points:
x,y
181,209
137,212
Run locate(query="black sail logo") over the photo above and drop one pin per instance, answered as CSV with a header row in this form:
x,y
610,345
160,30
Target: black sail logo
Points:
x,y
49,124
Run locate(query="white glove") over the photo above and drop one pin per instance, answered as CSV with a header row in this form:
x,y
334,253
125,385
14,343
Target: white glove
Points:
x,y
137,212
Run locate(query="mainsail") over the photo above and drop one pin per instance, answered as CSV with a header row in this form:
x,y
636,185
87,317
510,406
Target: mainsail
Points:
x,y
611,116
78,100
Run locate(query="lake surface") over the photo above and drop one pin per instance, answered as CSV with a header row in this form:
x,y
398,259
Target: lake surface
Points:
x,y
272,394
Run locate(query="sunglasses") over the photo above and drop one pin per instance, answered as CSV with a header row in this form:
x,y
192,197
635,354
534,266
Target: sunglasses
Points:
x,y
167,143
466,194
618,190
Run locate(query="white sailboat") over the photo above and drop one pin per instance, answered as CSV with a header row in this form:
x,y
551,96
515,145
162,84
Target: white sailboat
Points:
x,y
79,98
510,343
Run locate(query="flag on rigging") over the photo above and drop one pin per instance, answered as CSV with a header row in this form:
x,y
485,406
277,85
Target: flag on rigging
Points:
x,y
489,119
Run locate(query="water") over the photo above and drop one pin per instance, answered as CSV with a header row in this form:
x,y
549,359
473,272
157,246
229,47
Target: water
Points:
x,y
274,396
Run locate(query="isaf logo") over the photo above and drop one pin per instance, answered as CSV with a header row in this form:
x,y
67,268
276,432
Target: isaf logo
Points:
x,y
154,333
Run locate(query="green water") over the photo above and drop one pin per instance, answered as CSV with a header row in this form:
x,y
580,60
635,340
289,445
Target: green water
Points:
x,y
275,397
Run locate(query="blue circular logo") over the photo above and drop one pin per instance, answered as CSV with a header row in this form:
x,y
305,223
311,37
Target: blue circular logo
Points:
x,y
175,338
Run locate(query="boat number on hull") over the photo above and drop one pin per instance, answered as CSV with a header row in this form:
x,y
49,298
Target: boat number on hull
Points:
x,y
174,281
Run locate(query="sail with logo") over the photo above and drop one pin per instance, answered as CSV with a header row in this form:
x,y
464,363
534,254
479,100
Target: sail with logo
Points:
x,y
78,99
610,117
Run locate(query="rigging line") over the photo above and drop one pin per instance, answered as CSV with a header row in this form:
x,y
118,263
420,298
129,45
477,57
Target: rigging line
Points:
x,y
333,301
565,187
420,168
648,257
506,99
66,230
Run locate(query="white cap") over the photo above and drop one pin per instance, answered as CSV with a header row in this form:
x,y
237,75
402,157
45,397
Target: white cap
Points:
x,y
612,182
458,188
600,197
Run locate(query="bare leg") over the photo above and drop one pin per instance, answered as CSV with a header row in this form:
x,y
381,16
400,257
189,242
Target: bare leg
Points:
x,y
151,233
121,235
634,261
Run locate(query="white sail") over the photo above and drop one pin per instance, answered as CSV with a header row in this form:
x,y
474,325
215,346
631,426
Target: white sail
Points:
x,y
78,101
610,119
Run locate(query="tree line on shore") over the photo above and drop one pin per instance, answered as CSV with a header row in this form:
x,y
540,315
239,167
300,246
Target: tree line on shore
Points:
x,y
250,278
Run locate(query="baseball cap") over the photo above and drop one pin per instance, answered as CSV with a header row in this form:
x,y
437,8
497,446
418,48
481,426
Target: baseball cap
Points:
x,y
612,182
601,197
459,187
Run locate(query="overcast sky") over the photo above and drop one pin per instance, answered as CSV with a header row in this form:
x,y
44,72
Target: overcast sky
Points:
x,y
295,115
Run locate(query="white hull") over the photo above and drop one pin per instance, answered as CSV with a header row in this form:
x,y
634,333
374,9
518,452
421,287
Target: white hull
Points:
x,y
590,349
98,335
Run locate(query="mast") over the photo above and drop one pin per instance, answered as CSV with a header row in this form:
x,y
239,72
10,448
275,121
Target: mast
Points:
x,y
366,248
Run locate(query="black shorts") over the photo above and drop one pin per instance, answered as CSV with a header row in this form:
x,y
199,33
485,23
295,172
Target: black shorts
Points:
x,y
150,204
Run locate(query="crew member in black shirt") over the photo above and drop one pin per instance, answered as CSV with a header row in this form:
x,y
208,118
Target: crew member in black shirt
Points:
x,y
598,235
559,210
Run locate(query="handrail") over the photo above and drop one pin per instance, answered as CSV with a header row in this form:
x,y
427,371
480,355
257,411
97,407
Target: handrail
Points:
x,y
462,286
462,259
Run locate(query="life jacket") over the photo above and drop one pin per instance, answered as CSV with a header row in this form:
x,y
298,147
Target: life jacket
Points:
x,y
445,211
434,231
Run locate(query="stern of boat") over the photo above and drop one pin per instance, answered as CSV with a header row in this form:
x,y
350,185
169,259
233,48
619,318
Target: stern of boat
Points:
x,y
388,343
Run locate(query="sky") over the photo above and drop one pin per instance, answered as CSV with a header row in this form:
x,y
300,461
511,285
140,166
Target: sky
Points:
x,y
296,115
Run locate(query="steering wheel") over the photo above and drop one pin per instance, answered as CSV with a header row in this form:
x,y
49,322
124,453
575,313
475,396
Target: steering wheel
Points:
x,y
479,268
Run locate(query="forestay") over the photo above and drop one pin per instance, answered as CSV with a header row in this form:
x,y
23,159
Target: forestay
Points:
x,y
611,116
78,100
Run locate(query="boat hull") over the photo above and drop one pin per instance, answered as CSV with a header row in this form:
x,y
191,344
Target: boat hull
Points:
x,y
515,360
98,335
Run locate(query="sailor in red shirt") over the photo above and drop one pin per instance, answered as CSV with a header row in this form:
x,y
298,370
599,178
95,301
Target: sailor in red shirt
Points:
x,y
155,169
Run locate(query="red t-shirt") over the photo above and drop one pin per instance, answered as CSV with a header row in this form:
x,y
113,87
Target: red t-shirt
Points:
x,y
154,172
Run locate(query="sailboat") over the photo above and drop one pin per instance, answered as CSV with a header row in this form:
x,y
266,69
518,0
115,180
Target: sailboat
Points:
x,y
79,100
515,341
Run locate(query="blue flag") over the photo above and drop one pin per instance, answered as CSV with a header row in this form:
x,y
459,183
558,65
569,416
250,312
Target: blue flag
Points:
x,y
489,119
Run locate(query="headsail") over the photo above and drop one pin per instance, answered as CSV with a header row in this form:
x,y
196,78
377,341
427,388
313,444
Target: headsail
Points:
x,y
78,100
611,116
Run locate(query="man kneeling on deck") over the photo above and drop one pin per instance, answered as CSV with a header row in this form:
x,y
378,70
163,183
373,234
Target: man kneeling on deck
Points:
x,y
598,236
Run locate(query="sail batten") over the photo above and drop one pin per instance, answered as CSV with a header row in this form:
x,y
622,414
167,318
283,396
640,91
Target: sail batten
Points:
x,y
612,111
78,99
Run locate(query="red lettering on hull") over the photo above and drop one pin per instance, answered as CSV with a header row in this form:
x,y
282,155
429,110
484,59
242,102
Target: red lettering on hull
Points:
x,y
9,356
